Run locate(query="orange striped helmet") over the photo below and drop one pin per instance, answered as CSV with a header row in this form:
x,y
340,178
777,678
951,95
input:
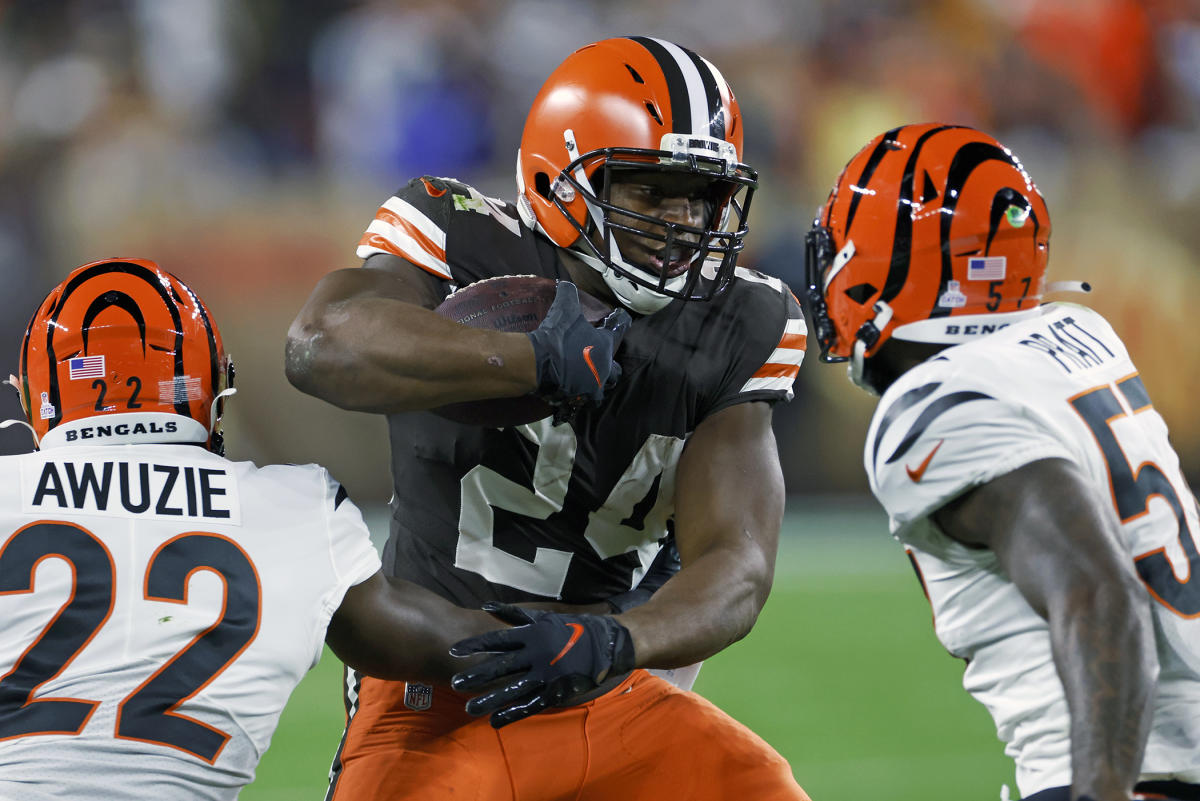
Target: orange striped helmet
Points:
x,y
123,352
641,104
932,233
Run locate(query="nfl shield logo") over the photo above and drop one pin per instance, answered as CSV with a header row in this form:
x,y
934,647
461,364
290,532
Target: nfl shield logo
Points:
x,y
417,696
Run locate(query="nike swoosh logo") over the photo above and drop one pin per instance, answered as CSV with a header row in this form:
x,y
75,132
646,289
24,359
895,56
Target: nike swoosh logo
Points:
x,y
587,357
915,475
576,633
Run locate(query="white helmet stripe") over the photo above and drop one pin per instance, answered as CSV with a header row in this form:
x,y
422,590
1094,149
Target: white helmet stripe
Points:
x,y
696,106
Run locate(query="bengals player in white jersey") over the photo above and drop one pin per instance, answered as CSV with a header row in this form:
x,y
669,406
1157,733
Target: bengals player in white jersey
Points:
x,y
160,602
1022,464
630,185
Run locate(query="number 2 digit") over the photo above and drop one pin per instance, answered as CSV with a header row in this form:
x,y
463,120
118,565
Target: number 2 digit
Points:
x,y
66,635
148,713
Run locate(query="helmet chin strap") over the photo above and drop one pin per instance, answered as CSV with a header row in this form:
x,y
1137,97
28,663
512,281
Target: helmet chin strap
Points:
x,y
212,407
14,422
15,383
877,324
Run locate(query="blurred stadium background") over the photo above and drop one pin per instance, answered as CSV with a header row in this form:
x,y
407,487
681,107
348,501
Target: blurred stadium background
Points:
x,y
244,144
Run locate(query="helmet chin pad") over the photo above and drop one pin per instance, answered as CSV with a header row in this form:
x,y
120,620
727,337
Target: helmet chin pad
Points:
x,y
633,296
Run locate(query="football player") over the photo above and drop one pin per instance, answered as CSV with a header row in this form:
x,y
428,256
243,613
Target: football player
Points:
x,y
630,186
160,602
1021,462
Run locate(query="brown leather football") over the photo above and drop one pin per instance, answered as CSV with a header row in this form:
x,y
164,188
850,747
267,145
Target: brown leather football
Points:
x,y
507,303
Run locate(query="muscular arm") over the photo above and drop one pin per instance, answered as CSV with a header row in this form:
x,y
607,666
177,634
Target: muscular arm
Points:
x,y
367,340
394,629
728,511
1061,548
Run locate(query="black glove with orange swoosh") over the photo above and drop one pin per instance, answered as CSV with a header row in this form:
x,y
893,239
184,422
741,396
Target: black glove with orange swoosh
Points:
x,y
574,359
545,659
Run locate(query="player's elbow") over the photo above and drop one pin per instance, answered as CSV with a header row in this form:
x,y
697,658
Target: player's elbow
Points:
x,y
303,356
314,355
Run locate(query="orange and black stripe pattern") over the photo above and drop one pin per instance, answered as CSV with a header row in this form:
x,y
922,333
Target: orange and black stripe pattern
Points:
x,y
120,335
943,219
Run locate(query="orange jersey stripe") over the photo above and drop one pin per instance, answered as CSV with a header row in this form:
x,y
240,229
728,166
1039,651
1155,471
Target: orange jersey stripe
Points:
x,y
794,341
770,370
427,244
376,241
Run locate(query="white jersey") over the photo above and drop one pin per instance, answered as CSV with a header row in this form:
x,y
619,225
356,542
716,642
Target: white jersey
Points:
x,y
159,605
1059,385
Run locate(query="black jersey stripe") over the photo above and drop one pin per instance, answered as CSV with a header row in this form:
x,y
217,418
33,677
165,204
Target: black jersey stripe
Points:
x,y
931,413
902,404
691,112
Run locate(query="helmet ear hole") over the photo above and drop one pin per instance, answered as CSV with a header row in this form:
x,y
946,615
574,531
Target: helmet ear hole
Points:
x,y
861,293
541,183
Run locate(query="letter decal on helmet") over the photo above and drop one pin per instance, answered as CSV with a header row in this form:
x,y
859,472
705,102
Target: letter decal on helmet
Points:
x,y
952,298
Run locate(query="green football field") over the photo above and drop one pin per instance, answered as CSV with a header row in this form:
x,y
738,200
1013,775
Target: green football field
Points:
x,y
842,674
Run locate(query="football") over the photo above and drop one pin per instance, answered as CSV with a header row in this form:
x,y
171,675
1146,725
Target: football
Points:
x,y
507,303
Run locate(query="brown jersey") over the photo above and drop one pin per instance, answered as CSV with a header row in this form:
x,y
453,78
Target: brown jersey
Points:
x,y
576,511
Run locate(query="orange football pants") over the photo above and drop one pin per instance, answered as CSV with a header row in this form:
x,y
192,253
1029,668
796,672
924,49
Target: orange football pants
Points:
x,y
645,740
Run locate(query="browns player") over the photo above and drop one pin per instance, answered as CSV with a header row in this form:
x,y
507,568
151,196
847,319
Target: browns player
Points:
x,y
631,186
1021,463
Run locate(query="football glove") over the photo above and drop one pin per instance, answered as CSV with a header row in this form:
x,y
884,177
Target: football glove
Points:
x,y
545,659
574,359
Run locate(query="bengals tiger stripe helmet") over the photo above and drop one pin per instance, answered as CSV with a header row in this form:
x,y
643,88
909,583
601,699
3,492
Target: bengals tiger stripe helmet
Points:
x,y
636,104
932,233
124,352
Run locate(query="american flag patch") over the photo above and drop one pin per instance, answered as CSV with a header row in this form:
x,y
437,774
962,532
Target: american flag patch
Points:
x,y
180,389
86,367
986,268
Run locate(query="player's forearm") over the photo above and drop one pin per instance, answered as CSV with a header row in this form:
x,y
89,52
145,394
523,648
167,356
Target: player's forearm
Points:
x,y
711,603
383,355
1104,648
403,631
